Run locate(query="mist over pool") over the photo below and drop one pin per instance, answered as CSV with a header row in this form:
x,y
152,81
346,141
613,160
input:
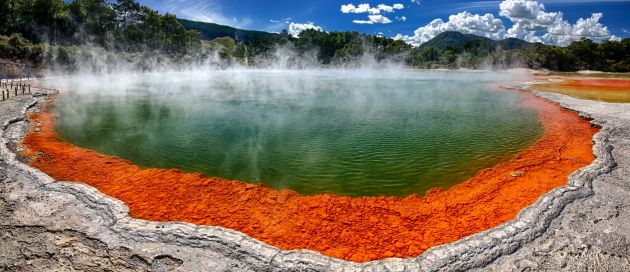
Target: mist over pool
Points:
x,y
349,132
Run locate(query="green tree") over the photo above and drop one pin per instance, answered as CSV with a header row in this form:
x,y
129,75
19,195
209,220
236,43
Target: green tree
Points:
x,y
127,12
430,54
95,19
586,53
51,16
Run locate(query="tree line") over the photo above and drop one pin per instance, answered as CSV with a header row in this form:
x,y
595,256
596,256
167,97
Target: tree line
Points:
x,y
584,54
28,28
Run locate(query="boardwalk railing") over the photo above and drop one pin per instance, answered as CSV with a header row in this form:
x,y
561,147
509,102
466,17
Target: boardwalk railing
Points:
x,y
14,87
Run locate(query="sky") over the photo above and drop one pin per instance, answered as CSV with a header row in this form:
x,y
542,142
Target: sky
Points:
x,y
556,22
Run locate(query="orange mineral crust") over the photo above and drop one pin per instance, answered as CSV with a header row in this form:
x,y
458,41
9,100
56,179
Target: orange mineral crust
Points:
x,y
608,90
352,228
608,84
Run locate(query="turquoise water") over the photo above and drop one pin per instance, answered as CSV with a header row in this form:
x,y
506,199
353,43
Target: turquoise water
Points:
x,y
358,133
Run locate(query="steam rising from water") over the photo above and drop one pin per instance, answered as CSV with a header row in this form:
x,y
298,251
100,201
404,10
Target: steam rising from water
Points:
x,y
347,131
96,60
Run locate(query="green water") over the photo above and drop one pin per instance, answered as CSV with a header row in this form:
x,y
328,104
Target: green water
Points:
x,y
359,133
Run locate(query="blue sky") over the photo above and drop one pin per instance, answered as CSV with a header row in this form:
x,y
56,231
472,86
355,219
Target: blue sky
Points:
x,y
412,15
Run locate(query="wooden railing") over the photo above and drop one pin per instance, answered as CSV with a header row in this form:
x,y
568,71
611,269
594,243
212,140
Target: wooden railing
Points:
x,y
21,86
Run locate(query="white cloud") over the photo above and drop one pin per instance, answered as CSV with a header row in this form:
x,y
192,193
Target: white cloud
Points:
x,y
401,18
379,19
363,22
366,8
529,18
528,15
296,28
385,8
521,9
374,19
374,16
417,2
361,8
565,33
530,22
591,27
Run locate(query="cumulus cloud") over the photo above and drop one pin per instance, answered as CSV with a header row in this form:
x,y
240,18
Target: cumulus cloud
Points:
x,y
483,25
361,8
374,19
379,19
385,8
366,8
390,9
374,16
530,19
530,22
296,28
564,33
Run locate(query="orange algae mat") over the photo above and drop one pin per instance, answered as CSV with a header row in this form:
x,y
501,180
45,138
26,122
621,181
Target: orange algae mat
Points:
x,y
352,228
607,84
609,90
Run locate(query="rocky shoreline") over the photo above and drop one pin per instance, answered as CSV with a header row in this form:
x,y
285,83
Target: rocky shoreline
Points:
x,y
49,225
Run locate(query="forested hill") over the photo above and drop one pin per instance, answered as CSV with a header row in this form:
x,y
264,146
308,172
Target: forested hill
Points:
x,y
210,31
454,40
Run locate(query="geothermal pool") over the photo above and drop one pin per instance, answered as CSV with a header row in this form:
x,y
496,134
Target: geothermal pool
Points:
x,y
356,133
388,132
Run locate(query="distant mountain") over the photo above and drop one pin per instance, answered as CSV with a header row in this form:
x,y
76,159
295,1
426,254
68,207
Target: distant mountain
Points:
x,y
210,31
514,43
457,41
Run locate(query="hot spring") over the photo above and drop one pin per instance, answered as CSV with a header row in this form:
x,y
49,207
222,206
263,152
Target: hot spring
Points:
x,y
356,133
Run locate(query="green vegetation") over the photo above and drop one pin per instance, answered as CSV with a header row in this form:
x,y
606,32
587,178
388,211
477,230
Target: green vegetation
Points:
x,y
124,26
346,46
585,54
57,33
17,47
